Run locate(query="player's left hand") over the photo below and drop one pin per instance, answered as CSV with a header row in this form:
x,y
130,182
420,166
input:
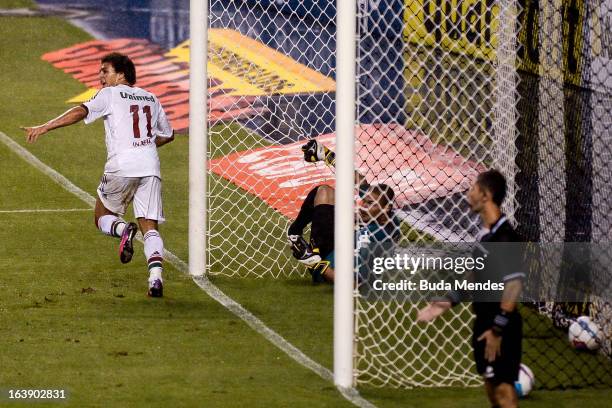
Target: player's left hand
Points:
x,y
34,132
492,345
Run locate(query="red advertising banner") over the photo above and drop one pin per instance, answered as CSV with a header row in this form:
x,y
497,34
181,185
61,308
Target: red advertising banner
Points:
x,y
416,168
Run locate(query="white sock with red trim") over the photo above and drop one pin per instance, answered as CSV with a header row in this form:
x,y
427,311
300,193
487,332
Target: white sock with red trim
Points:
x,y
111,225
153,250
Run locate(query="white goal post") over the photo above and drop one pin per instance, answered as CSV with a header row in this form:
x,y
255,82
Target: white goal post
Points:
x,y
345,187
198,130
345,125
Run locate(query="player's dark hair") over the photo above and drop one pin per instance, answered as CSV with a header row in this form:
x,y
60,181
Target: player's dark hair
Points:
x,y
385,194
495,183
122,64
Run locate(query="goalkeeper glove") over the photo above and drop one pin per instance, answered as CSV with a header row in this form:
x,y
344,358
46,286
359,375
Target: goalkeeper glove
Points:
x,y
303,251
315,151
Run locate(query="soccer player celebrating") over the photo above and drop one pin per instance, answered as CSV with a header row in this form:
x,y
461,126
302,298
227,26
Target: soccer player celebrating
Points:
x,y
135,126
497,331
379,231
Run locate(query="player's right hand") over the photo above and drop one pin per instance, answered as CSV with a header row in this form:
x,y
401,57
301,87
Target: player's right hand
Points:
x,y
433,310
34,132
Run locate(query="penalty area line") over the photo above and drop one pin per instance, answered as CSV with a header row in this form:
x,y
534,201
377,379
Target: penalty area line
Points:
x,y
350,394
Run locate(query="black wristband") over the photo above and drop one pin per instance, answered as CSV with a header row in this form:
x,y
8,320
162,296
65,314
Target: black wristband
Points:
x,y
500,322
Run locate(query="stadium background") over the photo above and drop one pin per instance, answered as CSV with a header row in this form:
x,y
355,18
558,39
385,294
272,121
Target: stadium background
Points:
x,y
169,29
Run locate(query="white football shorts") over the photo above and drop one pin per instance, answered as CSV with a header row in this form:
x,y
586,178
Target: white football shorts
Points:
x,y
116,193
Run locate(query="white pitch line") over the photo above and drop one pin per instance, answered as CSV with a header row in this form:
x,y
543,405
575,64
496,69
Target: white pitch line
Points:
x,y
351,394
42,210
55,176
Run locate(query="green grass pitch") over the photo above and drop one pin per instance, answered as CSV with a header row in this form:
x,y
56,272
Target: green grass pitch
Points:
x,y
73,317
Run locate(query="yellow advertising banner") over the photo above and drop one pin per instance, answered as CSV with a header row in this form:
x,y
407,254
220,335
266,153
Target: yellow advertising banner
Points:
x,y
251,68
240,66
462,26
563,28
469,28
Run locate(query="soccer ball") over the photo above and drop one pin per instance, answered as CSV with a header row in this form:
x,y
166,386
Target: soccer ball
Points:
x,y
525,381
584,334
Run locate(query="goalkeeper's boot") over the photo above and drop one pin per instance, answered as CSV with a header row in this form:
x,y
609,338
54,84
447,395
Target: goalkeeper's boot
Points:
x,y
302,251
126,247
156,288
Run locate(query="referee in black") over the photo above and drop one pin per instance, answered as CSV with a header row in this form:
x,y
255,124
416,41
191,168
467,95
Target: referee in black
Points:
x,y
497,334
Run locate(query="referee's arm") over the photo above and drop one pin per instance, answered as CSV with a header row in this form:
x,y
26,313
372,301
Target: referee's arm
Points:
x,y
513,285
512,291
513,279
440,305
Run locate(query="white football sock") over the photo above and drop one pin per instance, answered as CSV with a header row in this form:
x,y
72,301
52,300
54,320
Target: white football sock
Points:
x,y
155,274
153,250
111,225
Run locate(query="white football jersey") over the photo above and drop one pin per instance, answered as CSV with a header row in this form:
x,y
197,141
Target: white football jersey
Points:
x,y
133,118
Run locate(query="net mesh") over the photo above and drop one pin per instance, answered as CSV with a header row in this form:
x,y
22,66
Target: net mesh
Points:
x,y
445,89
271,86
563,157
452,66
518,86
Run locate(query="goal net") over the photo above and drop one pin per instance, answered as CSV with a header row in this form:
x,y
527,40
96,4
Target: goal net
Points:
x,y
445,90
271,87
444,73
517,85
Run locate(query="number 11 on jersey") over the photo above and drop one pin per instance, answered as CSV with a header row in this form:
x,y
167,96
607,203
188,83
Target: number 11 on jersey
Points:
x,y
136,118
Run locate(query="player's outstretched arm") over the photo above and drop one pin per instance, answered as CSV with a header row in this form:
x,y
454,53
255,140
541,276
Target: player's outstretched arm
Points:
x,y
70,117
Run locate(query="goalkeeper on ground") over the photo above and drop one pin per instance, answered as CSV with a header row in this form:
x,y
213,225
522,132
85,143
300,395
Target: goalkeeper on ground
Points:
x,y
379,230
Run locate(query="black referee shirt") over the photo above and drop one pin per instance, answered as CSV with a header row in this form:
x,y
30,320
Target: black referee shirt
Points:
x,y
503,263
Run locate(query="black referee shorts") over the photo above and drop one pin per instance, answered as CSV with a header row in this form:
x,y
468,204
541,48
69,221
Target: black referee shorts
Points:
x,y
505,368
